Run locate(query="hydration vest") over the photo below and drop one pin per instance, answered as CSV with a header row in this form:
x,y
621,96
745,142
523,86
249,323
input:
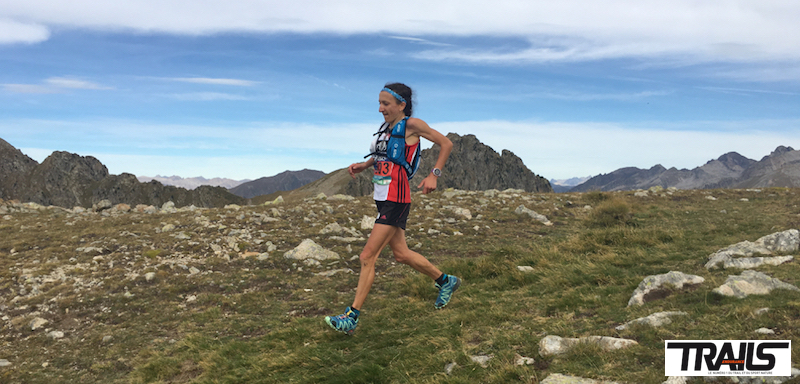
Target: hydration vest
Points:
x,y
396,149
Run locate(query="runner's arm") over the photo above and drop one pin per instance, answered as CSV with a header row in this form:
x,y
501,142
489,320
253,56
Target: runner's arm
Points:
x,y
355,168
420,128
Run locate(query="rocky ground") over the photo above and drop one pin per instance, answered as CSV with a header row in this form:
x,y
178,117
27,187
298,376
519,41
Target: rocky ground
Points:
x,y
79,287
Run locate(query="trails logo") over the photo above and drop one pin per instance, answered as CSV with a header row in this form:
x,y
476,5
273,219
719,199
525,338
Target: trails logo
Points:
x,y
728,358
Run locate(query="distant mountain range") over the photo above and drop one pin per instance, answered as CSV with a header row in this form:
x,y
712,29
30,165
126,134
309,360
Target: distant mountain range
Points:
x,y
781,168
564,185
68,180
192,182
285,181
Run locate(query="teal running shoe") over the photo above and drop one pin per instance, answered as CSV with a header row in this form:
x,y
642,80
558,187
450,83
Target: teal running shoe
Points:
x,y
346,322
446,291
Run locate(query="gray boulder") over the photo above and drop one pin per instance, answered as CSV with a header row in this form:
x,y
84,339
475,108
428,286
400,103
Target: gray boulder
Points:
x,y
780,242
556,345
658,286
751,283
522,210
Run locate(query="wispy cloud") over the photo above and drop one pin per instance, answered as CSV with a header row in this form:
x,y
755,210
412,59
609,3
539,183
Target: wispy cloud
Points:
x,y
54,85
420,41
748,91
30,88
207,96
216,81
578,96
68,83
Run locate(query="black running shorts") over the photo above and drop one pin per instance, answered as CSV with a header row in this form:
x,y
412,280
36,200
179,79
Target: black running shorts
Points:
x,y
391,213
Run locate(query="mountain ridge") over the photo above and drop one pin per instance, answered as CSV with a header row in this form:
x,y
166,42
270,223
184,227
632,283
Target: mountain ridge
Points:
x,y
193,182
781,168
68,180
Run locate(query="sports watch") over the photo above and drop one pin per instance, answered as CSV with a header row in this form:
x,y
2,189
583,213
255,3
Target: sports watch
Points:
x,y
436,172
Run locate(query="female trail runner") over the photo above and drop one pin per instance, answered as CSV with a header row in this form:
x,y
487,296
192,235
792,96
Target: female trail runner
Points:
x,y
393,199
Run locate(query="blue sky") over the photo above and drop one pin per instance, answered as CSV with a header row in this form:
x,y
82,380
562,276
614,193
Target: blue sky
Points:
x,y
246,89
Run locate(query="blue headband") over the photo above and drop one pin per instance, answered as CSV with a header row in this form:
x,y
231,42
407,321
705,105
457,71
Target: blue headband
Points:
x,y
396,96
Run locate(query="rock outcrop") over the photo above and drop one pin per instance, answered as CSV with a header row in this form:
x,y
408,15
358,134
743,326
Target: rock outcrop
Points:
x,y
68,180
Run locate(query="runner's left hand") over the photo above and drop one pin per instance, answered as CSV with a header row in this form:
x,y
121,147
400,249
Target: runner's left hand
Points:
x,y
428,184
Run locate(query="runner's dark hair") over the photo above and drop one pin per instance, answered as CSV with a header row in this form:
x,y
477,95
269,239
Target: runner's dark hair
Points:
x,y
404,91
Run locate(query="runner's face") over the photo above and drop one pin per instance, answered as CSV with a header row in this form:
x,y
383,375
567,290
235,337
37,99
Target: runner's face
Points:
x,y
390,108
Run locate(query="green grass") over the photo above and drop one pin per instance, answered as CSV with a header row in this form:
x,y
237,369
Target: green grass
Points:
x,y
243,320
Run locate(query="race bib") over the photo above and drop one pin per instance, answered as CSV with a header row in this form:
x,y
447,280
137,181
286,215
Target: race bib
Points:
x,y
383,172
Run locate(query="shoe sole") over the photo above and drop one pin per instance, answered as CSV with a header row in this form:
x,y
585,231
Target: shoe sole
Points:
x,y
328,321
458,284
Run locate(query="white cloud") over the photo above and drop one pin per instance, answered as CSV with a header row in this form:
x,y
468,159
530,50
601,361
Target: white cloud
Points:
x,y
14,32
216,81
63,82
29,88
572,30
54,85
207,96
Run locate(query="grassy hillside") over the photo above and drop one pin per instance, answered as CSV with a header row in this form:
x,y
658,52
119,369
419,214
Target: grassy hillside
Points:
x,y
205,295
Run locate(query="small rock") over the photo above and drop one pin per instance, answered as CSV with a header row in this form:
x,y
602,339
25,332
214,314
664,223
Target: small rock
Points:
x,y
463,212
334,271
525,268
149,276
655,320
107,338
37,323
522,360
557,378
55,335
522,210
6,363
102,205
483,360
332,228
308,249
168,228
765,331
367,223
448,369
760,311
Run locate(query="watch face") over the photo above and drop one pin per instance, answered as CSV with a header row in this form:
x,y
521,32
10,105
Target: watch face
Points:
x,y
437,172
